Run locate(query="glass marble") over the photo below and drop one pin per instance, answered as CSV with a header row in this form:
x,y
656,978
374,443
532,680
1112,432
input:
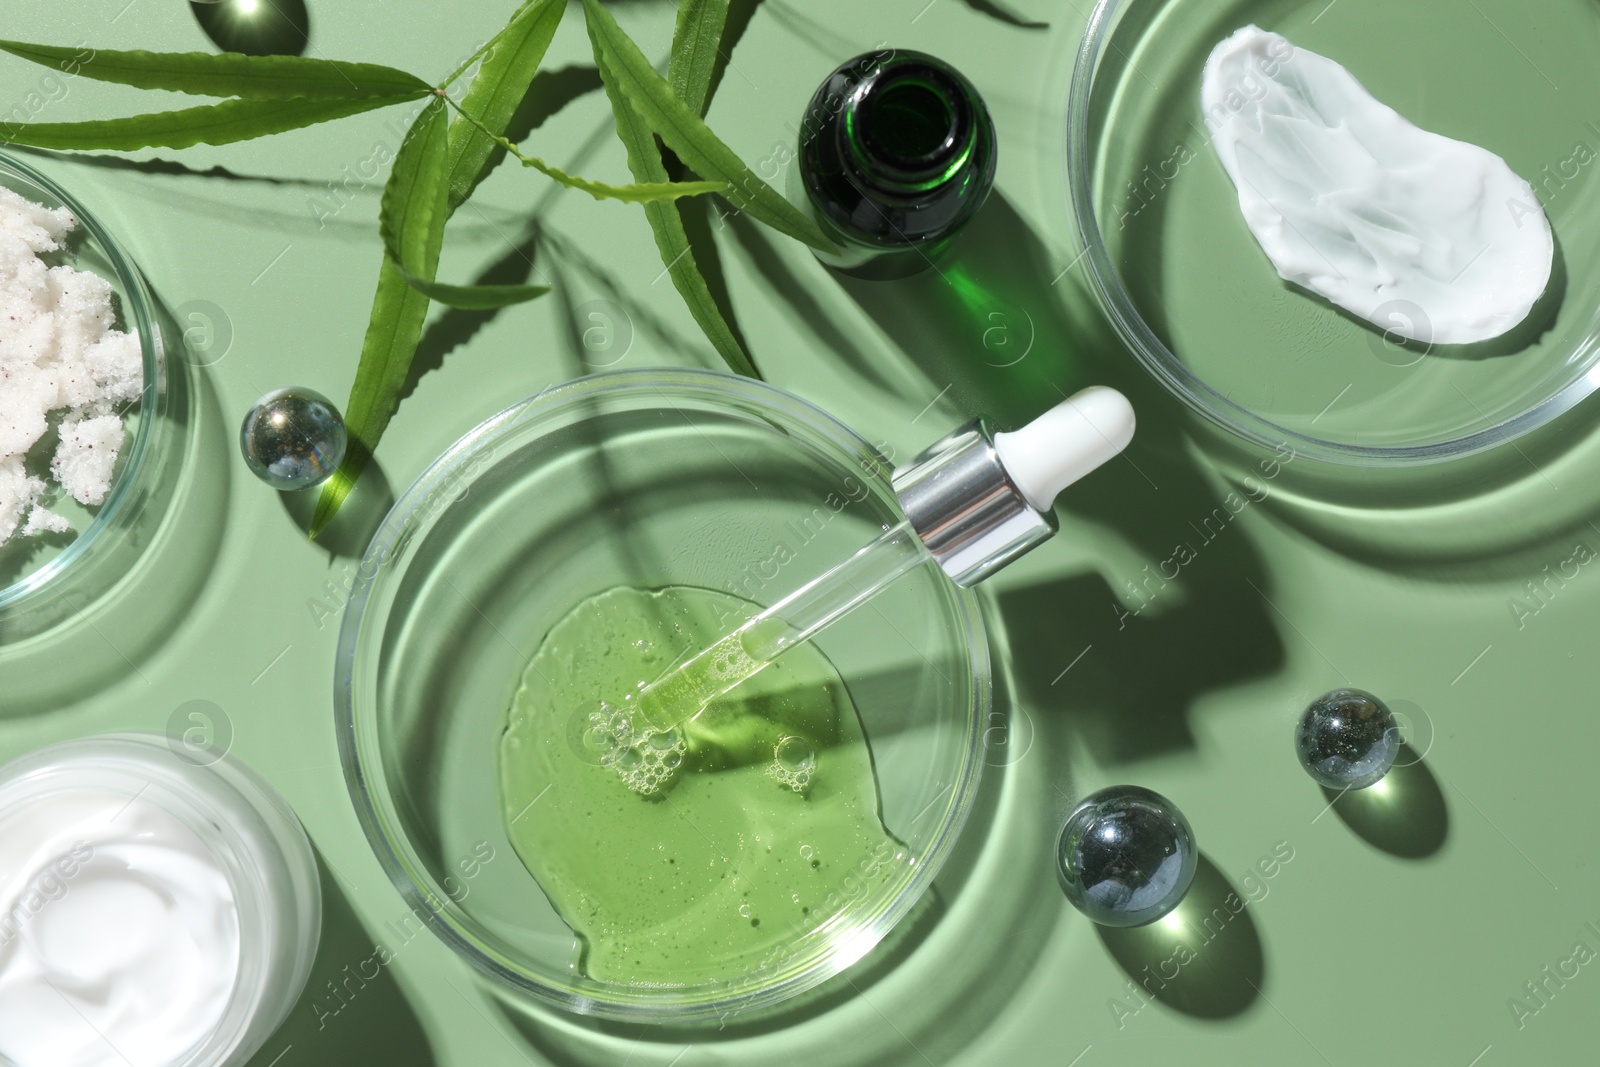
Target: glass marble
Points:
x,y
1126,856
293,438
255,27
1347,739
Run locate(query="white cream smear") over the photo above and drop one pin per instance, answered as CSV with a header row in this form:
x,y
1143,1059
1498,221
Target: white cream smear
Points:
x,y
1429,238
119,934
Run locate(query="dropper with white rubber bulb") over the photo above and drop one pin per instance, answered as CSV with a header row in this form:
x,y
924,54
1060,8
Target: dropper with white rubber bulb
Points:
x,y
974,502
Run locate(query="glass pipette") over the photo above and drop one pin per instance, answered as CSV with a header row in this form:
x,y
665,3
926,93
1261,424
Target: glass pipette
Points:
x,y
974,502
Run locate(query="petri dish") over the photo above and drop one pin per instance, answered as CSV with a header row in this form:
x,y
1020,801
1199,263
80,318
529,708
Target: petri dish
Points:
x,y
1201,307
646,479
41,577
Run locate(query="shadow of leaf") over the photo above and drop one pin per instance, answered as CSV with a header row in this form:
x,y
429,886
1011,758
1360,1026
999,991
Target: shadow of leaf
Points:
x,y
457,326
548,93
1001,13
783,281
167,167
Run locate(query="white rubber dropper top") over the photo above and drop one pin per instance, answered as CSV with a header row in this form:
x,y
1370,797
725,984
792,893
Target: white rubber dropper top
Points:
x,y
1065,443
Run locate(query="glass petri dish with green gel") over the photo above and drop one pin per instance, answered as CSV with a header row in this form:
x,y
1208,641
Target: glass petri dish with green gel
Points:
x,y
1201,306
564,553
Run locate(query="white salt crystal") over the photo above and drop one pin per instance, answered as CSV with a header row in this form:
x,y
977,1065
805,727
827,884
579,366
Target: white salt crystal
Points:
x,y
18,491
85,455
61,363
42,227
42,520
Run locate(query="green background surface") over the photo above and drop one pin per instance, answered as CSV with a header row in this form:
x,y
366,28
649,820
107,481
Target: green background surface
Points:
x,y
1402,926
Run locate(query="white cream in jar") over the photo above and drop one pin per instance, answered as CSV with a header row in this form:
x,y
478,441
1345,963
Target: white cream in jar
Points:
x,y
119,935
160,906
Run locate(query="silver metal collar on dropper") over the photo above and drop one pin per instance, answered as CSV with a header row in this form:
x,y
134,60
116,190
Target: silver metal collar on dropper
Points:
x,y
980,499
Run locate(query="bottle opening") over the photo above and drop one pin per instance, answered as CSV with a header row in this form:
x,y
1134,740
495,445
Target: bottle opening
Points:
x,y
912,121
912,125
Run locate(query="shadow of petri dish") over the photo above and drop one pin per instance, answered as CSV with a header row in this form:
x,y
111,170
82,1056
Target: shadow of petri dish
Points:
x,y
135,591
1447,521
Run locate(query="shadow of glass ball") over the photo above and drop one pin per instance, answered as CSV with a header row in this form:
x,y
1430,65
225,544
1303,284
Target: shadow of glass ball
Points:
x,y
1205,959
1404,815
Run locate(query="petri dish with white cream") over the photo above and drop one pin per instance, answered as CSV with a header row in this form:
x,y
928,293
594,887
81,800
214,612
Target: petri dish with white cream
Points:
x,y
1362,230
156,907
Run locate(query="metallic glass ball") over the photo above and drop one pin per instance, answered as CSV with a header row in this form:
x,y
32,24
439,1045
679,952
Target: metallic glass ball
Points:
x,y
293,438
1347,739
1126,856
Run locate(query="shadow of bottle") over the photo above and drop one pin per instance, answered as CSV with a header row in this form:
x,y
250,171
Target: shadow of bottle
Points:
x,y
1079,659
1204,960
352,1009
255,27
1404,814
994,322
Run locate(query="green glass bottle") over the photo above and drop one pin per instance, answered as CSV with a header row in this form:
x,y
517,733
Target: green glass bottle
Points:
x,y
897,154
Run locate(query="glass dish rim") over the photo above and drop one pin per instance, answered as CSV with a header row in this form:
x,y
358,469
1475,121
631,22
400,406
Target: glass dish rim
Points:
x,y
139,313
394,852
1163,365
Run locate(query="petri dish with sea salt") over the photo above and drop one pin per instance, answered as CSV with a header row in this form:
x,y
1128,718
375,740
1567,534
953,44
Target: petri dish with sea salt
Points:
x,y
41,574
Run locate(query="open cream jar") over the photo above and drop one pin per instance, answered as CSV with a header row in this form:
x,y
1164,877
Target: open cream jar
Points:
x,y
155,908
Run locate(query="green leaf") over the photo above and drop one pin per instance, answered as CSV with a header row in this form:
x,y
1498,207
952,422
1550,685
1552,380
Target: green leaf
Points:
x,y
644,159
412,217
224,123
399,310
477,297
626,69
414,208
696,45
228,74
498,89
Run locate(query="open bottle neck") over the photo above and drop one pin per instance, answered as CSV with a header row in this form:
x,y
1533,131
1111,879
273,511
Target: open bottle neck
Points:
x,y
909,128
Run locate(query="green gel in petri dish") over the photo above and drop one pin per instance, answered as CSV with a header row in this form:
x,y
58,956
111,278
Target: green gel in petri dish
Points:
x,y
694,854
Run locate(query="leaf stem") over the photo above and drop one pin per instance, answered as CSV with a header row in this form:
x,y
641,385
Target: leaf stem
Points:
x,y
473,58
636,193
